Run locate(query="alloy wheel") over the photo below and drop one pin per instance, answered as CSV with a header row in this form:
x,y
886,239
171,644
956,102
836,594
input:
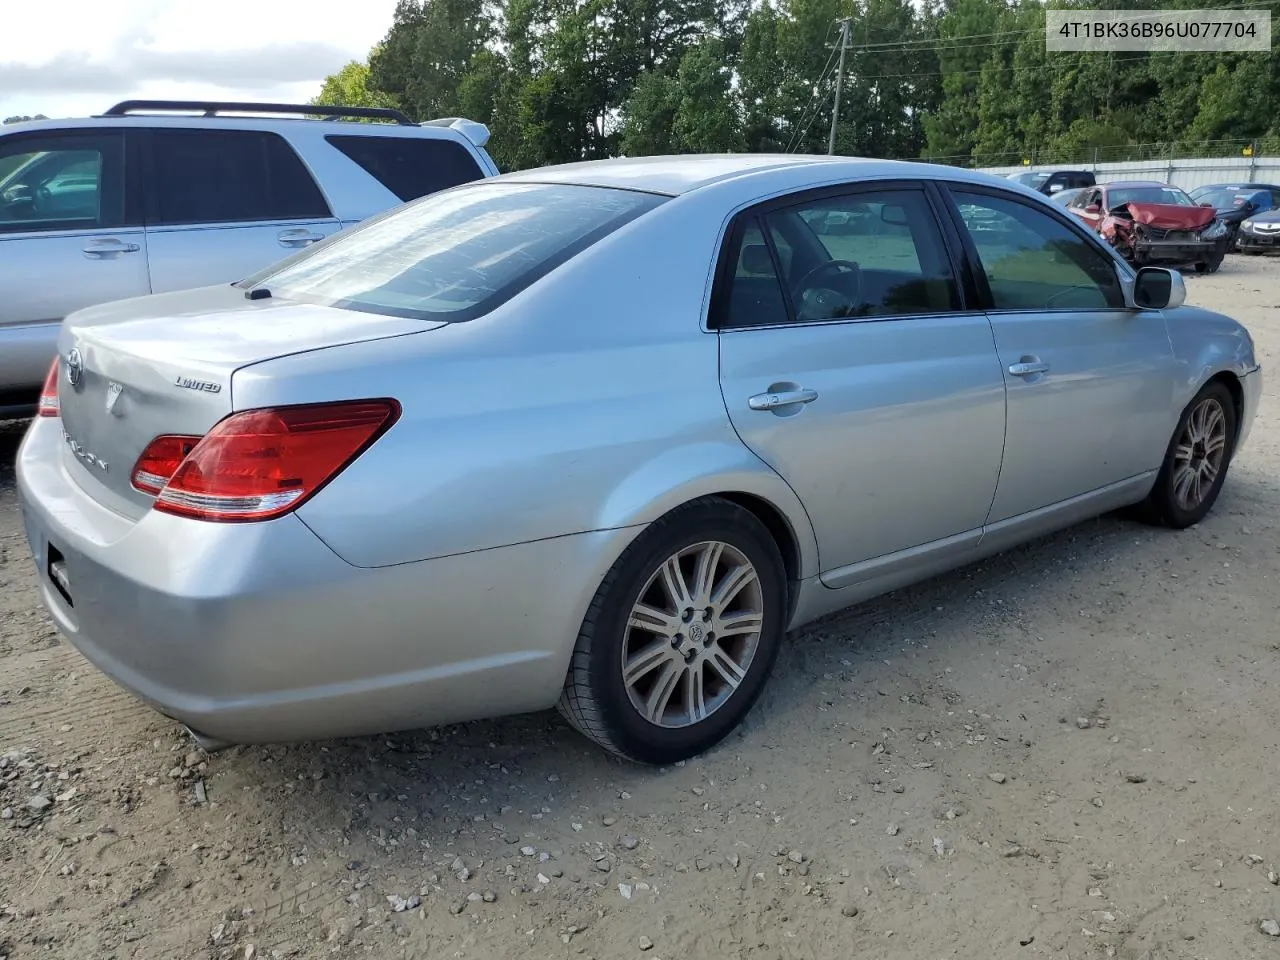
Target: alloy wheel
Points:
x,y
692,634
1198,456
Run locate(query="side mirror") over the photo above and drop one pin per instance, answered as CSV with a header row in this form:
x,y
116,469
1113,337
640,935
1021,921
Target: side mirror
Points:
x,y
1093,208
1156,288
1055,187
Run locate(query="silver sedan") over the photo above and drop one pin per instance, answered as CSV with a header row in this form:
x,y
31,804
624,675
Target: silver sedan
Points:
x,y
597,436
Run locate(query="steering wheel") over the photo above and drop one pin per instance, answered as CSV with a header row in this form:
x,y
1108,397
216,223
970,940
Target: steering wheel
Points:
x,y
818,302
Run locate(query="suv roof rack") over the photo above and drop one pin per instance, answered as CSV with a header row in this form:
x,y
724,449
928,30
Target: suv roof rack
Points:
x,y
212,108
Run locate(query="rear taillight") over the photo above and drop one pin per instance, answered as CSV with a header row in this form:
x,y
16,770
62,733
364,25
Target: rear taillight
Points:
x,y
48,405
262,463
160,461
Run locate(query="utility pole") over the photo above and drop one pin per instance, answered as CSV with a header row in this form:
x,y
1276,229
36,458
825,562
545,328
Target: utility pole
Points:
x,y
835,108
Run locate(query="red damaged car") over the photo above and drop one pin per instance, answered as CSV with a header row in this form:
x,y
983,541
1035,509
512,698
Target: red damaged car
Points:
x,y
1154,223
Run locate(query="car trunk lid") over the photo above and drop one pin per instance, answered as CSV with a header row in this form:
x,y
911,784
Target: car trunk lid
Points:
x,y
135,370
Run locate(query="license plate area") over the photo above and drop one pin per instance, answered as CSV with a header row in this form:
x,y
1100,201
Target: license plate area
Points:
x,y
56,568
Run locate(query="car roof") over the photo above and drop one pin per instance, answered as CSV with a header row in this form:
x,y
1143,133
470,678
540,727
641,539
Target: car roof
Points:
x,y
676,175
228,122
1137,183
1237,186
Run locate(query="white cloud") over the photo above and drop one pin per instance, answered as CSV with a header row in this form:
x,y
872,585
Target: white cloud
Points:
x,y
93,53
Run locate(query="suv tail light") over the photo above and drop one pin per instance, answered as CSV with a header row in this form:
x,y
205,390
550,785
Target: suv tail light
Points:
x,y
260,464
48,405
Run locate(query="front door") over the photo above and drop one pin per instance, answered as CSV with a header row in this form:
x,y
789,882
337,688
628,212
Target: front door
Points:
x,y
69,238
1090,382
849,364
224,204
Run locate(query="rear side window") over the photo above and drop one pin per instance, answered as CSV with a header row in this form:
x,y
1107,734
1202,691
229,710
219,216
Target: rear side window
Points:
x,y
875,253
228,176
410,167
457,255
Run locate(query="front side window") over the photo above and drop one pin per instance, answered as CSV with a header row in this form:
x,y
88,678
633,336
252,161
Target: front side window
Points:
x,y
228,176
862,255
1034,262
455,255
61,183
410,167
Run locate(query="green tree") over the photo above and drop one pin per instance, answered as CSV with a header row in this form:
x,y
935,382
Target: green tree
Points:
x,y
351,87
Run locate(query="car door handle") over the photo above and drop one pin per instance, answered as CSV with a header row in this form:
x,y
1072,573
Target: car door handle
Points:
x,y
109,247
298,238
1028,368
784,398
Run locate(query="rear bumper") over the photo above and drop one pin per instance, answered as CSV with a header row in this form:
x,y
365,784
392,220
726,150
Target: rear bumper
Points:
x,y
26,350
253,633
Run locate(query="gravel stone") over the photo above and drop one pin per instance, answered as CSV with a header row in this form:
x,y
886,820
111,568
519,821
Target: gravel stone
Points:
x,y
629,843
892,830
849,910
1270,928
795,856
39,803
644,943
997,777
1084,723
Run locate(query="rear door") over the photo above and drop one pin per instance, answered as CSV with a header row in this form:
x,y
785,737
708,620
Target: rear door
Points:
x,y
1090,382
70,237
850,364
223,204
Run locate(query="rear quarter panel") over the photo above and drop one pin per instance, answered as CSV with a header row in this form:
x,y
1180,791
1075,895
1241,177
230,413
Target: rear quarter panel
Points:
x,y
589,402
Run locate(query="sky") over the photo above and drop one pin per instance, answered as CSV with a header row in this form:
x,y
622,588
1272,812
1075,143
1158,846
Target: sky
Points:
x,y
75,58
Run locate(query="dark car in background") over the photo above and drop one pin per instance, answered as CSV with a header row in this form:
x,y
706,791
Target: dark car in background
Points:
x,y
1260,234
1151,222
1236,202
1050,182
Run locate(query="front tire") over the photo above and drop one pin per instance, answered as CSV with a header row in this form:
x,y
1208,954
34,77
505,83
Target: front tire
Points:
x,y
681,635
1196,462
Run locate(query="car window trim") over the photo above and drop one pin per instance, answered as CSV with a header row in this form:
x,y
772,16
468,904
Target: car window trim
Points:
x,y
151,201
731,240
948,188
127,179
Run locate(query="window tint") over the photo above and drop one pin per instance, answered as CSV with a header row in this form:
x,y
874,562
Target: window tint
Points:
x,y
456,255
869,254
1032,261
229,176
755,296
411,167
61,183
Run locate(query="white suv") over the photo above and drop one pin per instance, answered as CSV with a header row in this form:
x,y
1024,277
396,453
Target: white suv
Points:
x,y
144,199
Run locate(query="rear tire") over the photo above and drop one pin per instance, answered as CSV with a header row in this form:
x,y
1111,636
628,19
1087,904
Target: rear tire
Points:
x,y
1196,462
650,678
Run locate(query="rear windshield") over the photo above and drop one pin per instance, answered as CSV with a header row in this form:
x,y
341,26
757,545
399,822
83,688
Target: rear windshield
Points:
x,y
458,254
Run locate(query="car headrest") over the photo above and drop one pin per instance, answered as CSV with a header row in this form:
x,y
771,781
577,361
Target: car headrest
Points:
x,y
756,259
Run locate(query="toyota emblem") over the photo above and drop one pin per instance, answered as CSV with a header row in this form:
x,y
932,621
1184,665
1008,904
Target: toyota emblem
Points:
x,y
75,367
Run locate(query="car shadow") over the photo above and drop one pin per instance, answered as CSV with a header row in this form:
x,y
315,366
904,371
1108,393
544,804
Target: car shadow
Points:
x,y
11,432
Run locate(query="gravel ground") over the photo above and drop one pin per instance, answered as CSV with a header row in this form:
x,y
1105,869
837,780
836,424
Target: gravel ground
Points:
x,y
1068,751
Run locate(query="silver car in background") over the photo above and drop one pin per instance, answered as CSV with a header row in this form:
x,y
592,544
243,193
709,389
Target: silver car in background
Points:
x,y
596,436
160,195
